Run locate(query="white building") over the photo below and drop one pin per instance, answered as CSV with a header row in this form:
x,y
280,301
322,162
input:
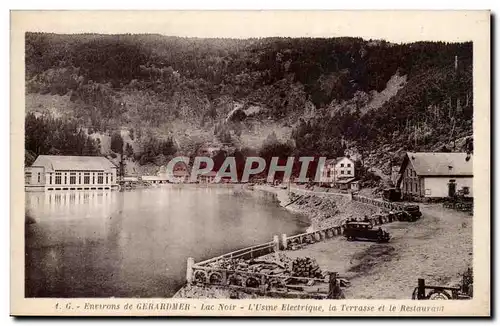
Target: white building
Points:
x,y
54,172
436,175
339,169
178,174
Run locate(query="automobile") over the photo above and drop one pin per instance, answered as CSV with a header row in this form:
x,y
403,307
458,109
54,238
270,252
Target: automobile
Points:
x,y
413,211
365,230
391,194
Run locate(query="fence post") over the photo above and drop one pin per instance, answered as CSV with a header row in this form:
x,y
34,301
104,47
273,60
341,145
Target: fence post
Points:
x,y
421,289
284,241
224,277
189,270
333,289
276,241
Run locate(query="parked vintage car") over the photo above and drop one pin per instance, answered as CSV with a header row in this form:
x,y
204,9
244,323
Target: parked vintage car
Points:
x,y
410,213
391,194
413,210
365,230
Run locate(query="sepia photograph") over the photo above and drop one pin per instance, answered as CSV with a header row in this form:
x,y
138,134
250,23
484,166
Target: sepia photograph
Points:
x,y
306,169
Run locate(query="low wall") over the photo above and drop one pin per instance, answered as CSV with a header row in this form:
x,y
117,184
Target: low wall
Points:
x,y
245,253
330,232
377,203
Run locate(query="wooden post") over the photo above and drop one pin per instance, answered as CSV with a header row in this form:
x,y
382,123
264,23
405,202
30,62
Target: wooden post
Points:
x,y
421,289
276,241
333,290
284,241
189,270
263,286
224,277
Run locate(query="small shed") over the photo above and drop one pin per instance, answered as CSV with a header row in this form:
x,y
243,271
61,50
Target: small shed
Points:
x,y
345,184
355,185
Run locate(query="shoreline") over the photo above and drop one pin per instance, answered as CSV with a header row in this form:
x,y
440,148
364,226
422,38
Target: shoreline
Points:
x,y
322,209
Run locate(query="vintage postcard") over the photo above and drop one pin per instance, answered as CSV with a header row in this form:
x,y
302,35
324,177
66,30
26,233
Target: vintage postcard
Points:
x,y
250,163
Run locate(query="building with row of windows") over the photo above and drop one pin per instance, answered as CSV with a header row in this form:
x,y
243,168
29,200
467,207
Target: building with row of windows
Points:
x,y
54,172
338,172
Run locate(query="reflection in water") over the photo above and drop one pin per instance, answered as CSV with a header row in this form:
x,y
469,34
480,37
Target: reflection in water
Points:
x,y
135,244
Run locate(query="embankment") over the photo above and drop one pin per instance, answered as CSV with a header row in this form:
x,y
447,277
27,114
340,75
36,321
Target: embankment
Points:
x,y
322,209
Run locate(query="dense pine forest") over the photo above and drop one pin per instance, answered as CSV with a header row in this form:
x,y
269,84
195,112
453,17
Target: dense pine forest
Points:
x,y
157,96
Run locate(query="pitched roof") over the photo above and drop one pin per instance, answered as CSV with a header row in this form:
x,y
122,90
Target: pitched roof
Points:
x,y
336,160
344,181
441,164
58,162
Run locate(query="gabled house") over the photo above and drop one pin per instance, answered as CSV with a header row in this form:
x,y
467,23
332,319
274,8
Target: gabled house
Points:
x,y
436,175
337,171
179,173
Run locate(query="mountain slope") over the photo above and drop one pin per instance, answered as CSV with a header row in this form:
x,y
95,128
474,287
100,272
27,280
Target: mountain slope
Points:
x,y
317,96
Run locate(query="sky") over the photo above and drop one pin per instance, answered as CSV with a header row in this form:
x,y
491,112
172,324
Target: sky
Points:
x,y
397,27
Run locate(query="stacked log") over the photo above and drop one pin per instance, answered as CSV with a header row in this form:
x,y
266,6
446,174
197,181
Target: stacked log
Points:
x,y
306,267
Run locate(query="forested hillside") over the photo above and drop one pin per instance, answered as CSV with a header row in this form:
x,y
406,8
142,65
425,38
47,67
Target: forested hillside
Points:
x,y
273,96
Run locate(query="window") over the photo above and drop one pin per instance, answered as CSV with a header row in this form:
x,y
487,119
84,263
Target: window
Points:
x,y
65,178
427,192
50,178
107,178
466,190
38,177
411,187
100,178
79,178
58,178
342,172
111,178
72,178
93,178
348,171
86,178
348,165
27,177
341,165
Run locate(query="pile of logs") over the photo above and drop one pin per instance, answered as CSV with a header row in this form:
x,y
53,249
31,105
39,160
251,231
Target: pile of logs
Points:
x,y
306,267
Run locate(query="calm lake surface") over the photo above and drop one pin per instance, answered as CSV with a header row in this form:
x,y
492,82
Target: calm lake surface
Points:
x,y
136,243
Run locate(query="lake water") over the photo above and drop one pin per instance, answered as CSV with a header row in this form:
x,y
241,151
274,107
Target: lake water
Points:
x,y
136,243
